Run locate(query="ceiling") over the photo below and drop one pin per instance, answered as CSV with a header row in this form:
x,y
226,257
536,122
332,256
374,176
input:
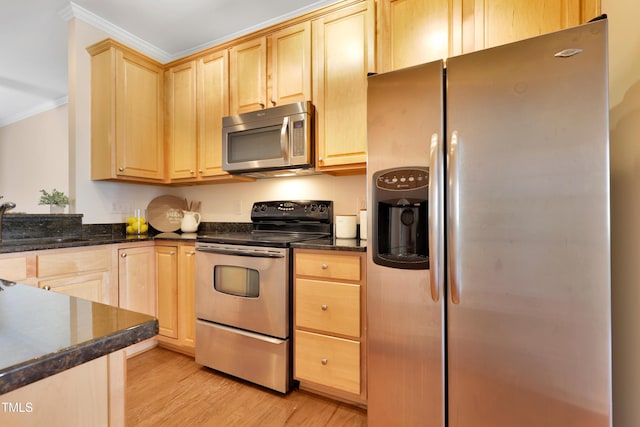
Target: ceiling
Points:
x,y
33,75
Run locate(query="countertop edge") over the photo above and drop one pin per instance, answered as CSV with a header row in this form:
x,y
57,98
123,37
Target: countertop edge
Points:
x,y
34,370
333,244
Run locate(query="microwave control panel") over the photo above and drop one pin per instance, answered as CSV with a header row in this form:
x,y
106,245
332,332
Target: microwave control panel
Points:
x,y
298,137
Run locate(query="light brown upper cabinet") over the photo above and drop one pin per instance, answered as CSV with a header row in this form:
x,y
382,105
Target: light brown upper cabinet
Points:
x,y
491,23
196,98
248,91
126,114
181,120
271,70
290,64
412,32
343,53
213,105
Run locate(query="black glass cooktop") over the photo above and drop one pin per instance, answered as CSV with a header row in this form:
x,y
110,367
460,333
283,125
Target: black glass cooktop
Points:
x,y
279,223
260,238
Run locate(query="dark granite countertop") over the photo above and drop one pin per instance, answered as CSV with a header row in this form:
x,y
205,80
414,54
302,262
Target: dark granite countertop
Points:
x,y
333,244
43,333
23,245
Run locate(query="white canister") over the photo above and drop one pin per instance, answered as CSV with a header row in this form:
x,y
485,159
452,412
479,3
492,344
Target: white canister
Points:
x,y
346,226
363,224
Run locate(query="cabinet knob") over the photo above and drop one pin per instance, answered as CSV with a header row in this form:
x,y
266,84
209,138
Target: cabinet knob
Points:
x,y
191,171
325,266
262,105
47,288
273,102
325,361
191,253
121,169
324,307
200,171
123,255
172,253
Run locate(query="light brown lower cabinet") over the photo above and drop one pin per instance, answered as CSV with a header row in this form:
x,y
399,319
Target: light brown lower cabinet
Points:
x,y
91,394
137,278
329,343
175,266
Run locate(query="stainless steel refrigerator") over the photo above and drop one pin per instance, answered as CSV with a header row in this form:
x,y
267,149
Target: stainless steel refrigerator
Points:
x,y
488,273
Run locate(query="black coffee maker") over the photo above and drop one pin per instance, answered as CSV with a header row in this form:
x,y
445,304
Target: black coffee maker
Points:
x,y
399,218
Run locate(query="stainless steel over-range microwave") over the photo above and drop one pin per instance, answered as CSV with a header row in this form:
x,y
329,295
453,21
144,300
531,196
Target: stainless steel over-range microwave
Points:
x,y
273,139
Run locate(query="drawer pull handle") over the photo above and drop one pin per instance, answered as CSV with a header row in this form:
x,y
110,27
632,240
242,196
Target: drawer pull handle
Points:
x,y
47,288
325,266
325,361
324,307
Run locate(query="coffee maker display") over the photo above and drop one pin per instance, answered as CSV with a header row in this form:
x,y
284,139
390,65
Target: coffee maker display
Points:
x,y
399,218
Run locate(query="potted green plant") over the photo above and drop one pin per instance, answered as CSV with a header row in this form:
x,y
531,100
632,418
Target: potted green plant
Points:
x,y
56,200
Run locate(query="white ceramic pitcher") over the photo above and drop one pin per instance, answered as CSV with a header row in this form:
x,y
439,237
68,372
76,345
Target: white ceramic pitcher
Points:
x,y
190,222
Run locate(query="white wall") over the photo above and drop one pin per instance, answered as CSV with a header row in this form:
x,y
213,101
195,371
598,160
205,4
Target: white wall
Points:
x,y
624,104
34,155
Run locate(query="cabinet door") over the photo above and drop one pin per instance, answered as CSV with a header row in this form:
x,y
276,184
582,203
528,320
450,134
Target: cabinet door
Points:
x,y
248,76
167,276
343,44
137,279
181,129
412,32
186,295
138,104
495,22
213,105
290,64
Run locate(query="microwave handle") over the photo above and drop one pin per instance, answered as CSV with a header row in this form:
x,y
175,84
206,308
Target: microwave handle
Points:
x,y
284,138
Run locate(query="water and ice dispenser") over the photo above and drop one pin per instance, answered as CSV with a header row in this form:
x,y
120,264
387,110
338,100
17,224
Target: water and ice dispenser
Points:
x,y
399,218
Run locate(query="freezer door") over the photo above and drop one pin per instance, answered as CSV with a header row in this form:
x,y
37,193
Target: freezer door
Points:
x,y
529,326
405,308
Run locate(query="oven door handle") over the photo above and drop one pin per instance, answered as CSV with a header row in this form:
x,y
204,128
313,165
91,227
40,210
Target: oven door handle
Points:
x,y
240,253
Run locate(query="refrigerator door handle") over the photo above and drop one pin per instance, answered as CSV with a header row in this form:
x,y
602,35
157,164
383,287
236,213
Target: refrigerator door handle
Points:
x,y
435,218
454,217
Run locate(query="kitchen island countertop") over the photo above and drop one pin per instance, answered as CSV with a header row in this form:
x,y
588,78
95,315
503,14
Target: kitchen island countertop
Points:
x,y
44,333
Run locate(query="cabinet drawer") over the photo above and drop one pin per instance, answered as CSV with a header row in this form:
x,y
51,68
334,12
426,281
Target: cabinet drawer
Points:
x,y
55,264
14,268
328,266
328,306
87,286
333,362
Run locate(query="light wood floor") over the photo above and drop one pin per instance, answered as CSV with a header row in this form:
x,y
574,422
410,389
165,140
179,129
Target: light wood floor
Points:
x,y
169,389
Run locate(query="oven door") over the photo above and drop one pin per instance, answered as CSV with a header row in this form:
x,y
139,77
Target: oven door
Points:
x,y
244,287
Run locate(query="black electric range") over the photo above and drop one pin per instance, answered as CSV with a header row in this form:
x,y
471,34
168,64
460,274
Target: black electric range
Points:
x,y
280,223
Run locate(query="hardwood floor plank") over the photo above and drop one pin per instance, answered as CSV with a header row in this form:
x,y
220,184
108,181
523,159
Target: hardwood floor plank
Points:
x,y
169,389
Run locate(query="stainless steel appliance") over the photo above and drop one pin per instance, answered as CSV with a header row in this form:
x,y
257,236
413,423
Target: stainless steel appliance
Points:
x,y
244,291
266,142
509,322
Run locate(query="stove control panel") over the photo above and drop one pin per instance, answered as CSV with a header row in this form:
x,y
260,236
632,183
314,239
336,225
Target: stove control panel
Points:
x,y
293,210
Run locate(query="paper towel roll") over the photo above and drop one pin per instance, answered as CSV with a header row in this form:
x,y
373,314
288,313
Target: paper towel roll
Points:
x,y
345,226
363,224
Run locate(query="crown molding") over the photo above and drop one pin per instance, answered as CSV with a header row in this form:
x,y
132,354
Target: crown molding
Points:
x,y
123,36
40,108
293,14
